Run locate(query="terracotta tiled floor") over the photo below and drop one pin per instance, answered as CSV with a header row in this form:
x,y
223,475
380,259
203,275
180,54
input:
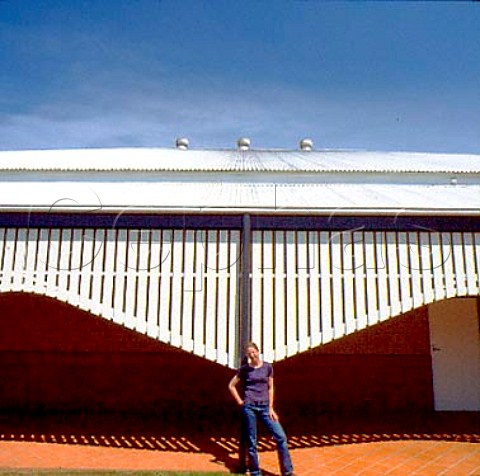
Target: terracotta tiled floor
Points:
x,y
367,459
339,448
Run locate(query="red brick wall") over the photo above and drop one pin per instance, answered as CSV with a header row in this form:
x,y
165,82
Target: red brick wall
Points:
x,y
383,368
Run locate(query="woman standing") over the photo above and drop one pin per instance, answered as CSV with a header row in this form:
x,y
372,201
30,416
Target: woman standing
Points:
x,y
256,400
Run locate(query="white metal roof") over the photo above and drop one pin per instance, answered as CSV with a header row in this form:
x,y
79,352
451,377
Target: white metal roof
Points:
x,y
151,159
231,181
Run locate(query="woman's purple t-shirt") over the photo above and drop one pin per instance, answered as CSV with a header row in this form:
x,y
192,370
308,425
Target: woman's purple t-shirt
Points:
x,y
255,382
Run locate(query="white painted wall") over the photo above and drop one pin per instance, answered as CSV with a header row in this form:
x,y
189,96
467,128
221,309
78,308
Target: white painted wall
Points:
x,y
455,347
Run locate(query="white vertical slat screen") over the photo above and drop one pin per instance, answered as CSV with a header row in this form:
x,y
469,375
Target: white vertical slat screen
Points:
x,y
303,274
476,240
348,281
182,286
30,268
414,265
447,261
459,264
7,259
336,254
279,295
211,271
291,294
361,314
179,286
371,270
345,281
314,289
469,255
188,292
268,329
426,267
382,276
325,288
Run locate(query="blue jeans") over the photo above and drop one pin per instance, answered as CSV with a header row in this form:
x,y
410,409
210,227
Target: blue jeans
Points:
x,y
251,412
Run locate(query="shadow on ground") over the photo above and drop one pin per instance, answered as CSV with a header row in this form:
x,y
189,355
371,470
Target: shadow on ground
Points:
x,y
220,439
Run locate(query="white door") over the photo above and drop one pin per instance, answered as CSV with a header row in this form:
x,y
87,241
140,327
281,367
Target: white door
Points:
x,y
455,347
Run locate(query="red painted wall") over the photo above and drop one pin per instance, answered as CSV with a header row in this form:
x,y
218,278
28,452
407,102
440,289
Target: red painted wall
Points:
x,y
56,357
383,368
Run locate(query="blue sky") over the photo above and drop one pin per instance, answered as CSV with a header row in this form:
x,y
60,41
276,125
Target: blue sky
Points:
x,y
355,75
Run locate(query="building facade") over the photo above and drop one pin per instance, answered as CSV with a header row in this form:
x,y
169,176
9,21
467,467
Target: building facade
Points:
x,y
369,261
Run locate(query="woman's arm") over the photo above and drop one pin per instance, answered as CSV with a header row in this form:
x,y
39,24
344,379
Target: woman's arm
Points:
x,y
271,392
232,386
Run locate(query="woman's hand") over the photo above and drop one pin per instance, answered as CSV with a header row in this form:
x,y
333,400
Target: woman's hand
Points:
x,y
273,414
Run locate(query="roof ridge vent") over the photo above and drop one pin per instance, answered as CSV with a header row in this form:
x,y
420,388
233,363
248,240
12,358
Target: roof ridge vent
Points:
x,y
243,143
182,143
306,144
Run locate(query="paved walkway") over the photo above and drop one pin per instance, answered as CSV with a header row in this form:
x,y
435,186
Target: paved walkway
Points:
x,y
382,458
41,444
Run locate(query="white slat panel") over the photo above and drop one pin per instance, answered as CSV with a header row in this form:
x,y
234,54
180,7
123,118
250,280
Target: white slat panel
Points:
x,y
177,289
142,281
30,276
348,282
200,293
405,288
222,310
459,264
291,293
437,266
188,293
279,291
426,267
64,264
110,257
337,271
256,288
120,274
76,258
155,262
360,280
211,310
313,257
476,240
98,272
393,273
382,276
20,260
371,275
42,257
8,259
268,298
325,287
415,267
2,255
303,291
53,262
447,254
132,255
86,269
471,273
165,284
233,304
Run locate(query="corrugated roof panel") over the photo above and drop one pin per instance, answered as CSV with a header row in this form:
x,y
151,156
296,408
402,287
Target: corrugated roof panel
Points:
x,y
151,159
